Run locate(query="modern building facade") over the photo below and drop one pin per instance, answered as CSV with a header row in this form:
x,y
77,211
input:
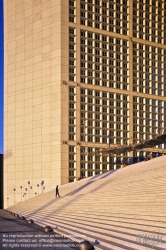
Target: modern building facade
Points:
x,y
79,74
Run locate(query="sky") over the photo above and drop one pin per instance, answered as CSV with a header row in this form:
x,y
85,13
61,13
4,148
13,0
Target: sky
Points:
x,y
1,76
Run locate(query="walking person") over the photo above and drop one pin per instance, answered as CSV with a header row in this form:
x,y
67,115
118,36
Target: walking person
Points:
x,y
57,191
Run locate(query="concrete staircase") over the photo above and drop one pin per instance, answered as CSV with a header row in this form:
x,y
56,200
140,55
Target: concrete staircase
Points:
x,y
122,209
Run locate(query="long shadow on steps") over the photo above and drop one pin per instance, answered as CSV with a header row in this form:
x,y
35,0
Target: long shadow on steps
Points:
x,y
100,185
109,173
107,232
103,175
74,198
100,239
90,182
80,188
111,219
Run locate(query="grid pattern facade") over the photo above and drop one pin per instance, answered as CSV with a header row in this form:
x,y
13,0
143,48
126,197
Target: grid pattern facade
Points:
x,y
72,113
121,77
104,115
105,15
92,162
148,118
72,163
148,20
104,60
72,11
149,69
72,54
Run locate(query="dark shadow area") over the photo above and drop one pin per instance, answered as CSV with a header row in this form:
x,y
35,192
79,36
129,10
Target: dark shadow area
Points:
x,y
19,235
1,181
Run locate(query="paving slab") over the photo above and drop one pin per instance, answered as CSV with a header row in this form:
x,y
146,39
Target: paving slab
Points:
x,y
17,234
